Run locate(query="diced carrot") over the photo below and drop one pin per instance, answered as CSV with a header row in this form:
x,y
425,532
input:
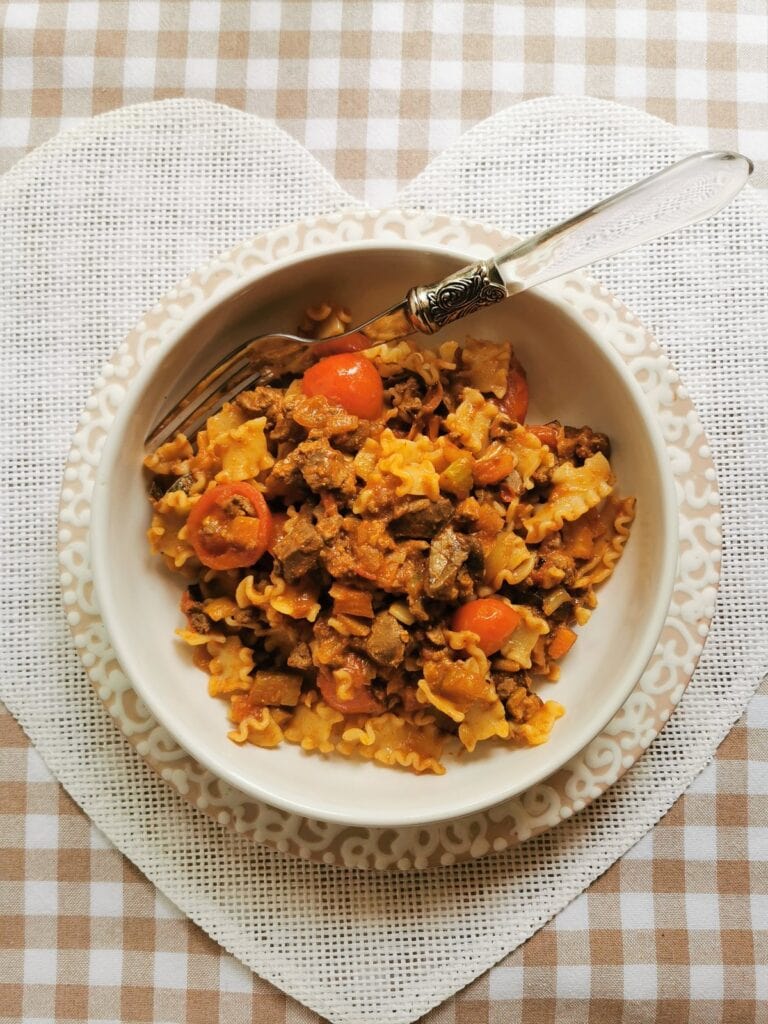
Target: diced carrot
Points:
x,y
562,641
494,465
279,519
349,601
579,541
515,400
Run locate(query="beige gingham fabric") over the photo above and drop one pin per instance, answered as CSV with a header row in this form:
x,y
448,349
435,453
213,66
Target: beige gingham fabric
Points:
x,y
677,930
374,89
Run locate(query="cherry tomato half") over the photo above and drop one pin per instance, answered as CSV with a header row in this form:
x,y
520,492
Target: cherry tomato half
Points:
x,y
515,401
230,526
349,380
490,618
350,343
362,702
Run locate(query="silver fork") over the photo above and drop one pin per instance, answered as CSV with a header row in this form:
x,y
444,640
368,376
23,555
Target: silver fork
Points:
x,y
688,191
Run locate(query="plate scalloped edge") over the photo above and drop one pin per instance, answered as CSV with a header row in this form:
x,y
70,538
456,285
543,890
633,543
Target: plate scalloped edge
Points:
x,y
589,773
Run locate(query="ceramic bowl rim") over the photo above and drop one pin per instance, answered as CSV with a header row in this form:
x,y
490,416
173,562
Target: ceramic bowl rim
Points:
x,y
550,293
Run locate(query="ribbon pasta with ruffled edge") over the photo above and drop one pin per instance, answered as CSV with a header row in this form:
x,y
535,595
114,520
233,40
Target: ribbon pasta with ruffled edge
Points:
x,y
341,639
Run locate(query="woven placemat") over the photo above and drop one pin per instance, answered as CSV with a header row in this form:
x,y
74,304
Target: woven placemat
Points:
x,y
101,221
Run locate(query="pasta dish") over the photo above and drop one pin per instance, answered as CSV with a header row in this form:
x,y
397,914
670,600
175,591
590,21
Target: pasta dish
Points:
x,y
382,557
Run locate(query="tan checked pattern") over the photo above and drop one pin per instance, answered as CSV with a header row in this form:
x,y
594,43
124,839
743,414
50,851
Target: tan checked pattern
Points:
x,y
677,930
374,89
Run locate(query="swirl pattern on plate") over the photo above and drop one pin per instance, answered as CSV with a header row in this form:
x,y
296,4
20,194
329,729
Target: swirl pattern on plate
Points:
x,y
588,774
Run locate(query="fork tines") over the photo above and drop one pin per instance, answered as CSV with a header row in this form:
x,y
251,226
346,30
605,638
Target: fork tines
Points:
x,y
260,360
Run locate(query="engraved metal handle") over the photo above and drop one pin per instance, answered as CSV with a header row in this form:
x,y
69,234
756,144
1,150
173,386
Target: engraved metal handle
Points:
x,y
688,191
682,194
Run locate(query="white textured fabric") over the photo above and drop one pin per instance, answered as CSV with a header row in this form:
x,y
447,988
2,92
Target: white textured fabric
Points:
x,y
96,225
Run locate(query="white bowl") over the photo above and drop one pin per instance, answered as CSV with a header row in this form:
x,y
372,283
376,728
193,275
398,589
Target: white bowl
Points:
x,y
574,375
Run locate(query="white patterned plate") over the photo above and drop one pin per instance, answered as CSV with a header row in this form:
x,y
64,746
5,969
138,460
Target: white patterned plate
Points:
x,y
583,778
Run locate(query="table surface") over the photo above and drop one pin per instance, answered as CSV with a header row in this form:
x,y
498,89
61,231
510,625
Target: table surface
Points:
x,y
678,928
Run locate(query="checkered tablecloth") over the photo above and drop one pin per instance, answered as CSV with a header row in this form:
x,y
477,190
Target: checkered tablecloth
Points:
x,y
374,89
678,929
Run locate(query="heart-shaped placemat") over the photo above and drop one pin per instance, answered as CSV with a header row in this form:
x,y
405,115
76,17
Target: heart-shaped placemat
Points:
x,y
101,221
584,777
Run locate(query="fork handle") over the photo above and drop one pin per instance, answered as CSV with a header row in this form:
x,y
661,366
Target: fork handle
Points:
x,y
688,191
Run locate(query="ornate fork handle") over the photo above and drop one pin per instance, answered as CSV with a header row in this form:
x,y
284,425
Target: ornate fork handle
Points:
x,y
431,307
682,194
686,192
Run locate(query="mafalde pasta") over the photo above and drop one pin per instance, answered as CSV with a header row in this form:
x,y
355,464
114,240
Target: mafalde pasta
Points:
x,y
383,557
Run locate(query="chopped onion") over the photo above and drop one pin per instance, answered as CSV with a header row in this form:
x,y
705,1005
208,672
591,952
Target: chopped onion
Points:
x,y
553,600
401,613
